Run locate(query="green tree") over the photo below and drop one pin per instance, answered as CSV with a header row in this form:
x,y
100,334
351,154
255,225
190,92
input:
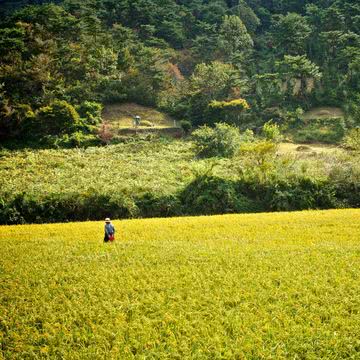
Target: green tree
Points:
x,y
299,68
58,118
223,140
52,18
247,16
290,33
234,40
268,89
209,82
205,43
11,40
229,111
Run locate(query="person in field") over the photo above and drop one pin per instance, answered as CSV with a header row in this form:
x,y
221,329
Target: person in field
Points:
x,y
109,231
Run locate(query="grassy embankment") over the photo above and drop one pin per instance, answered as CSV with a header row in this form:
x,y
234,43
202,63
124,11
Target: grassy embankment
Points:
x,y
136,179
134,168
121,116
120,120
266,286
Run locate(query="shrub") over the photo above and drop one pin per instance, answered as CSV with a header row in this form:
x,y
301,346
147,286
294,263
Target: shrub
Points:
x,y
76,139
301,194
222,141
213,195
90,112
275,114
105,134
23,119
346,180
247,136
258,160
233,105
326,130
151,205
15,120
229,111
58,118
63,207
352,139
186,126
272,132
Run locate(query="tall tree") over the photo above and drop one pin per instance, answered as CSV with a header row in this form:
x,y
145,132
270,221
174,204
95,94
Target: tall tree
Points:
x,y
290,33
300,68
234,40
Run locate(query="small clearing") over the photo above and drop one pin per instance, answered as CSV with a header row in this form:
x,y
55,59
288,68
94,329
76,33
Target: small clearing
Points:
x,y
323,112
121,116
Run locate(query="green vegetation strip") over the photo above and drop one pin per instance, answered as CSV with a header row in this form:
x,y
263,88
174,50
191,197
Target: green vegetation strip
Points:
x,y
266,286
164,178
132,168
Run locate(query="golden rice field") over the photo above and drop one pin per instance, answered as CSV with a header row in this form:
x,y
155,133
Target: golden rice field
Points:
x,y
260,286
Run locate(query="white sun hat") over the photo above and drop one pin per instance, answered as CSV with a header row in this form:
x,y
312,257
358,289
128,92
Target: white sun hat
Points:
x,y
107,220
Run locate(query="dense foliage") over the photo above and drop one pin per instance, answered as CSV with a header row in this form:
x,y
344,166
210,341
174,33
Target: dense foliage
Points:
x,y
182,56
223,140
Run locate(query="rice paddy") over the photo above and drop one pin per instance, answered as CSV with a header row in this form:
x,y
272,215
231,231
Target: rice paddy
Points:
x,y
259,286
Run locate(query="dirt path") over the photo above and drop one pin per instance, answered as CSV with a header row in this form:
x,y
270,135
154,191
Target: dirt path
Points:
x,y
286,148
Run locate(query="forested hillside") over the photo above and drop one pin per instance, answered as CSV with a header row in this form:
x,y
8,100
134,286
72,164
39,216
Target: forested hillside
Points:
x,y
242,62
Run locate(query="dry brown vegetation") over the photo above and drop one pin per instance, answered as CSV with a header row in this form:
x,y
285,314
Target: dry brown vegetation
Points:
x,y
121,116
323,112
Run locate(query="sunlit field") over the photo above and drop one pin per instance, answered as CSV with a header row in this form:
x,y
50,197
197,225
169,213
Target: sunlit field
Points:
x,y
261,286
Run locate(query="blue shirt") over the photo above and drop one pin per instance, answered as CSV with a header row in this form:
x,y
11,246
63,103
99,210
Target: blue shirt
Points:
x,y
109,229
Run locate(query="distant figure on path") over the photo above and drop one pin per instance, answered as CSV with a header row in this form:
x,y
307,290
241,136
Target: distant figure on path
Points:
x,y
137,120
109,231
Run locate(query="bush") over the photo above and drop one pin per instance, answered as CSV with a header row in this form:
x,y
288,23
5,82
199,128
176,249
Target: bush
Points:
x,y
247,136
234,105
272,132
90,112
151,205
105,135
275,114
346,180
15,120
186,126
229,111
112,91
326,130
258,161
222,141
352,139
209,195
58,118
76,139
205,195
25,208
301,194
